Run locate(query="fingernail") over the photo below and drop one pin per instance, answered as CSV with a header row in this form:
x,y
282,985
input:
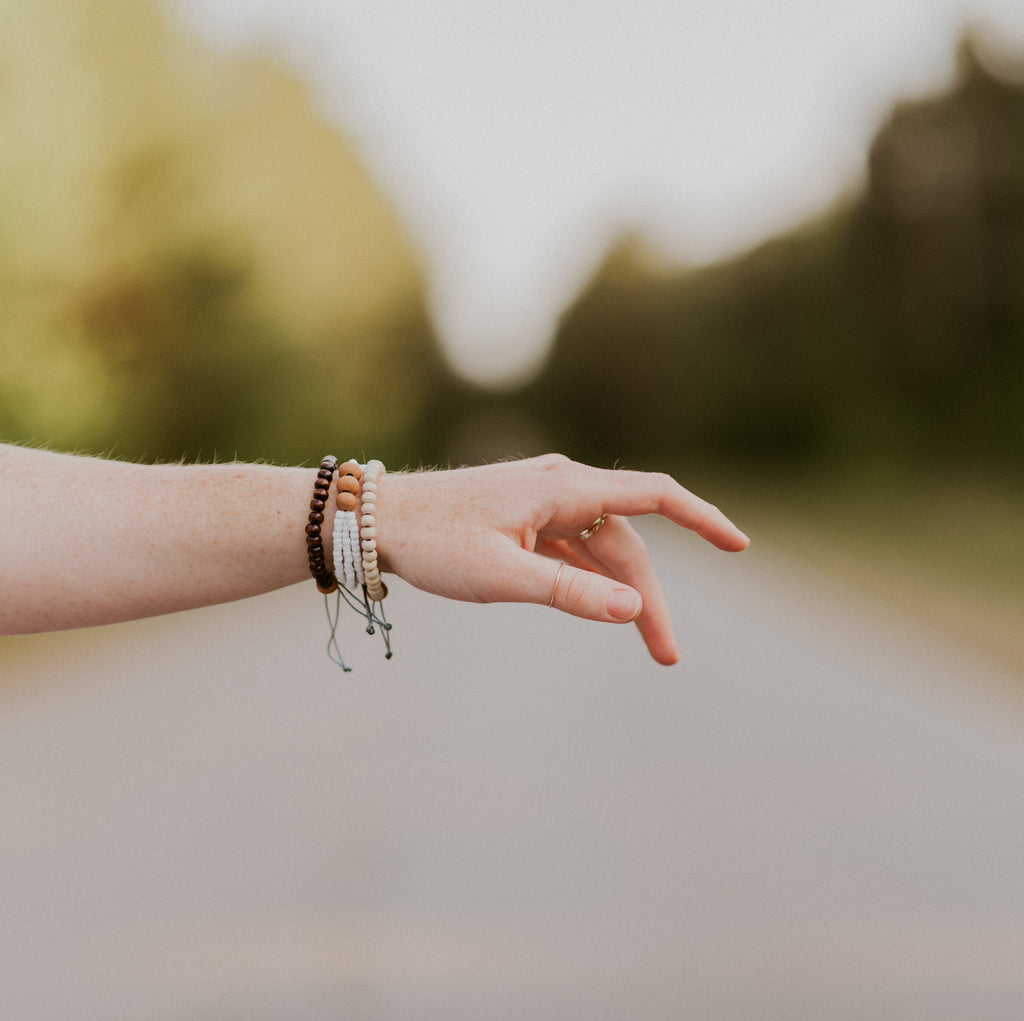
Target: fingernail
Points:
x,y
623,604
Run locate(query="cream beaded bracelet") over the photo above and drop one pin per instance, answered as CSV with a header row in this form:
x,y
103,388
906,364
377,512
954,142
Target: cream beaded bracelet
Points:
x,y
376,590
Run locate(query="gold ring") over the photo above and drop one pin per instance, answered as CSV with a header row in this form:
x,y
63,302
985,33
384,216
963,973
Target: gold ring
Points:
x,y
554,588
588,532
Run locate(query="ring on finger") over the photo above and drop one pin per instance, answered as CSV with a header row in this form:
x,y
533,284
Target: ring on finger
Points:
x,y
554,588
591,529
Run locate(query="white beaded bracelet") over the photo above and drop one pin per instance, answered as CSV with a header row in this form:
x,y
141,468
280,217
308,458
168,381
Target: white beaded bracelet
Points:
x,y
345,558
375,588
354,553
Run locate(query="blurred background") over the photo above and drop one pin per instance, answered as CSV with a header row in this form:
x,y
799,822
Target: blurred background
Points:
x,y
777,249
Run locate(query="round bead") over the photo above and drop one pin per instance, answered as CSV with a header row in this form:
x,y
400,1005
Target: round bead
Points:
x,y
325,473
316,518
347,501
369,508
368,532
327,584
370,486
369,546
351,468
348,484
313,530
316,504
367,519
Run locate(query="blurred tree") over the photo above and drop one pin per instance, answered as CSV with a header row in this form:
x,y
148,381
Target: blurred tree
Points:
x,y
889,329
939,246
191,260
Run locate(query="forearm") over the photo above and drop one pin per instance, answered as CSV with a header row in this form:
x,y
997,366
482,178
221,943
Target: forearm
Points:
x,y
86,541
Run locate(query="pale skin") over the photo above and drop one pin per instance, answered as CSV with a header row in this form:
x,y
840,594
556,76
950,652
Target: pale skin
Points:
x,y
86,541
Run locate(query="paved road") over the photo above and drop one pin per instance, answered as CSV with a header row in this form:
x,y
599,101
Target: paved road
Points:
x,y
820,815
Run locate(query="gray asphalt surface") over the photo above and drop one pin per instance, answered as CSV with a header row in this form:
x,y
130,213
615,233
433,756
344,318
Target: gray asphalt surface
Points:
x,y
820,814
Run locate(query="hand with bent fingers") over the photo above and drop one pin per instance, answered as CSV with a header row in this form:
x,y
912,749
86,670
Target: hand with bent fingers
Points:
x,y
502,533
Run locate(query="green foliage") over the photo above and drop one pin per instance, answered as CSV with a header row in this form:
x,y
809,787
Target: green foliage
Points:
x,y
889,331
192,263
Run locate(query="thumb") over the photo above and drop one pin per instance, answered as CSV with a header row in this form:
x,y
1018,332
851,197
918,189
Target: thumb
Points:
x,y
586,594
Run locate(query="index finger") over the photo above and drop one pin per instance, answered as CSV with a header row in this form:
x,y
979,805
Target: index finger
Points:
x,y
630,493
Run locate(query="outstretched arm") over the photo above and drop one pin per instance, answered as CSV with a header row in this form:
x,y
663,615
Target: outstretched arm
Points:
x,y
85,541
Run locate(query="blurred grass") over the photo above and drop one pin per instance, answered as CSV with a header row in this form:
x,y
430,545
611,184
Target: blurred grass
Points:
x,y
947,550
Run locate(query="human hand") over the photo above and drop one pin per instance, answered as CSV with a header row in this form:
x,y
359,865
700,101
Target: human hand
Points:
x,y
497,533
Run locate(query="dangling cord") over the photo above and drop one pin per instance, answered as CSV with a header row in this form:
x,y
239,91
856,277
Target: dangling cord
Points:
x,y
333,649
373,612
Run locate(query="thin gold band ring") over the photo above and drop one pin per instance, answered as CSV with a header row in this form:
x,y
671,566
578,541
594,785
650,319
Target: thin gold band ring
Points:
x,y
554,588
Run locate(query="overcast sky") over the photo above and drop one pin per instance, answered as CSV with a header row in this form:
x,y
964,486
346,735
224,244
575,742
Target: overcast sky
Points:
x,y
517,139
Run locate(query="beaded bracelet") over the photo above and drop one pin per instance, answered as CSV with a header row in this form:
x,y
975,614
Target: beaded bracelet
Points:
x,y
348,566
344,559
376,590
352,551
325,580
355,548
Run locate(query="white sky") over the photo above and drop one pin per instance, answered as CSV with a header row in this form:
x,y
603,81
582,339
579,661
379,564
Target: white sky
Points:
x,y
518,138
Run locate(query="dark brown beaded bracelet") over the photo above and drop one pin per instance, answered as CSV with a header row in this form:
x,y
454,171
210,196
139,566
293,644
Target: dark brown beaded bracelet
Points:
x,y
325,580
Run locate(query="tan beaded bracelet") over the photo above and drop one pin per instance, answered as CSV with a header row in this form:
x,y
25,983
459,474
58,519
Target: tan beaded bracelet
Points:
x,y
348,565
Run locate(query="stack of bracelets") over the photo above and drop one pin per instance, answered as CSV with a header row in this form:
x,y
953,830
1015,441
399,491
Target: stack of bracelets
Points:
x,y
356,574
